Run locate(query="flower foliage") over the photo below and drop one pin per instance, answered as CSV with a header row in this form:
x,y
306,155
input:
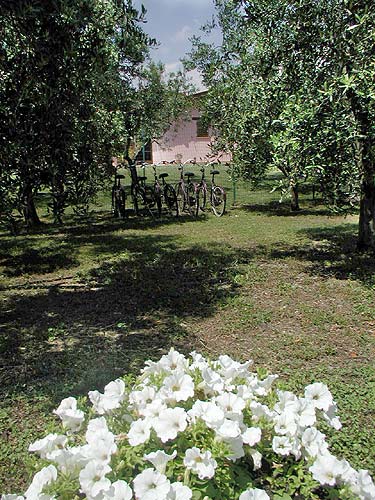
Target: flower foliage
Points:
x,y
191,428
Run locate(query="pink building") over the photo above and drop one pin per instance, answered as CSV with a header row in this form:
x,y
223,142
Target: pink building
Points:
x,y
186,139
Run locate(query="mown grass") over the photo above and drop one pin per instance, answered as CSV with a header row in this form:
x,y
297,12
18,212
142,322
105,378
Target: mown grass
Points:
x,y
85,302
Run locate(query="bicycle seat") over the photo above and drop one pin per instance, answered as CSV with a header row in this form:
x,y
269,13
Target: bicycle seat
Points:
x,y
189,174
120,176
163,175
142,178
214,172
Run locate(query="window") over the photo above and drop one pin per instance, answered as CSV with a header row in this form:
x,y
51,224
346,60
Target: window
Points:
x,y
147,153
202,129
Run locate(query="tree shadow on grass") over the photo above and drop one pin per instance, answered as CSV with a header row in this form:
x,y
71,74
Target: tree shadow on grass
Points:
x,y
131,308
333,253
277,209
38,260
57,246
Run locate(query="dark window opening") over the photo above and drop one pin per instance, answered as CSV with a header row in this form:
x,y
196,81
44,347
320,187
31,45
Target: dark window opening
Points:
x,y
202,128
145,153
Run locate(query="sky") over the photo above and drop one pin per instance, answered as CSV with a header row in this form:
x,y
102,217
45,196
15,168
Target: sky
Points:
x,y
172,23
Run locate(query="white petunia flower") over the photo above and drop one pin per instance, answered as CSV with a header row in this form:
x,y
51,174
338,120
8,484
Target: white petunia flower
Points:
x,y
261,411
320,395
119,490
230,403
12,497
252,435
114,394
254,494
153,410
179,491
92,478
209,412
173,361
140,399
44,477
286,424
257,458
199,361
71,418
305,412
282,445
212,381
170,422
263,387
159,459
102,448
66,404
230,369
314,442
199,462
151,485
331,417
48,444
235,446
245,392
177,387
327,469
139,431
229,429
70,460
94,426
151,368
363,486
286,399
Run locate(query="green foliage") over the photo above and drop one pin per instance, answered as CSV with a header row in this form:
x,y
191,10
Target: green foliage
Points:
x,y
75,89
292,86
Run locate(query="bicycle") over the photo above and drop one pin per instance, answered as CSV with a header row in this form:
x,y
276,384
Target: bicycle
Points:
x,y
218,197
186,191
142,195
118,197
165,194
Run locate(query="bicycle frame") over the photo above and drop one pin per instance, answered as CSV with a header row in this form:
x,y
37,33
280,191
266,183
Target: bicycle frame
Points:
x,y
141,192
165,193
217,193
118,197
182,188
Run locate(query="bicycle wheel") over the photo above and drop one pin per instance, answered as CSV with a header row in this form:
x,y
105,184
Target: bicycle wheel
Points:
x,y
192,198
114,202
138,197
120,203
201,199
181,198
218,201
170,199
150,199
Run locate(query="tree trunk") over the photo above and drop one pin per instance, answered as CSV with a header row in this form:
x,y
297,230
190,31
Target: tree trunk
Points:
x,y
28,207
366,233
59,199
366,229
294,203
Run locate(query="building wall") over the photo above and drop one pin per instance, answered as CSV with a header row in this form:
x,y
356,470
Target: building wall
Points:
x,y
180,143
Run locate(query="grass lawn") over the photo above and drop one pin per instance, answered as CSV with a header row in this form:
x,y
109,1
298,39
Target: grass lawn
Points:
x,y
83,303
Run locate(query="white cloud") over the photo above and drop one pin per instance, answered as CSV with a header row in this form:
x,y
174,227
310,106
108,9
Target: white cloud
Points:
x,y
191,3
183,34
196,79
193,76
173,67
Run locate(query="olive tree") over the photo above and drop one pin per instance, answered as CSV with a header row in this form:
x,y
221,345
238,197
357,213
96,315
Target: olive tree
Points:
x,y
63,65
292,86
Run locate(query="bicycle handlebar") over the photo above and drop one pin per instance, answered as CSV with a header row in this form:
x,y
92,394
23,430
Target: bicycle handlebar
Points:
x,y
193,161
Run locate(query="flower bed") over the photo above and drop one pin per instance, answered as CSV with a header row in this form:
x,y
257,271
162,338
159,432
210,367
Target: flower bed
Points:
x,y
191,428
